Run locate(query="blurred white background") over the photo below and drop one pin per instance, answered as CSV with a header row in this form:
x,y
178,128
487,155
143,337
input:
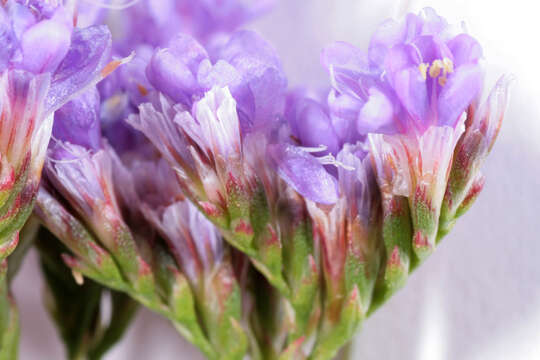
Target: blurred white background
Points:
x,y
478,296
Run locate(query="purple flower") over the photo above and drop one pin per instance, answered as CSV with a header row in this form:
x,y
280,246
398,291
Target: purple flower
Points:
x,y
417,73
310,122
78,121
36,36
161,20
305,173
247,64
408,94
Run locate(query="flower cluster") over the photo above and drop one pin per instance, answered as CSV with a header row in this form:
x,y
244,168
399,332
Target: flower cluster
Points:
x,y
261,221
44,62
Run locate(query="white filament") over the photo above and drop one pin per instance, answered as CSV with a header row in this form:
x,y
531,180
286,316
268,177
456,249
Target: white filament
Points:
x,y
113,4
62,144
331,160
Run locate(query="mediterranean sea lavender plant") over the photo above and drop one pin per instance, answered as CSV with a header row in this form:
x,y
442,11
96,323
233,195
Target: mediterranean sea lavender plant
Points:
x,y
262,222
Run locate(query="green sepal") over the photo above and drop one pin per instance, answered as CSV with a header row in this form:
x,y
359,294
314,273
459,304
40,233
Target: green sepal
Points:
x,y
449,215
301,270
397,237
238,208
425,220
221,307
184,315
339,326
5,308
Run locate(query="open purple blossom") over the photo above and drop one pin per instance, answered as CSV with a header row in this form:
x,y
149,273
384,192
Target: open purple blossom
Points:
x,y
417,73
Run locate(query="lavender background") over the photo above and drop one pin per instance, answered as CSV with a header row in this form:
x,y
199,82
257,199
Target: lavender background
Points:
x,y
478,296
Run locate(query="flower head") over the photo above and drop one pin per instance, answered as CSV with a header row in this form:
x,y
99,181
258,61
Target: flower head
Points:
x,y
417,73
409,94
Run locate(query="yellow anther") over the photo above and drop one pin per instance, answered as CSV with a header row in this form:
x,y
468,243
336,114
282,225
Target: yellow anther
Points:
x,y
438,69
435,68
423,67
442,80
448,65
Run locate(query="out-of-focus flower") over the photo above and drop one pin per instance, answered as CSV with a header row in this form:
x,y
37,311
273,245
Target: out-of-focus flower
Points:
x,y
163,19
36,35
78,121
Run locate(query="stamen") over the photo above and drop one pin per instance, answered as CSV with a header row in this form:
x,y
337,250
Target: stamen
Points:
x,y
63,145
440,69
448,65
435,69
423,67
313,149
331,160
